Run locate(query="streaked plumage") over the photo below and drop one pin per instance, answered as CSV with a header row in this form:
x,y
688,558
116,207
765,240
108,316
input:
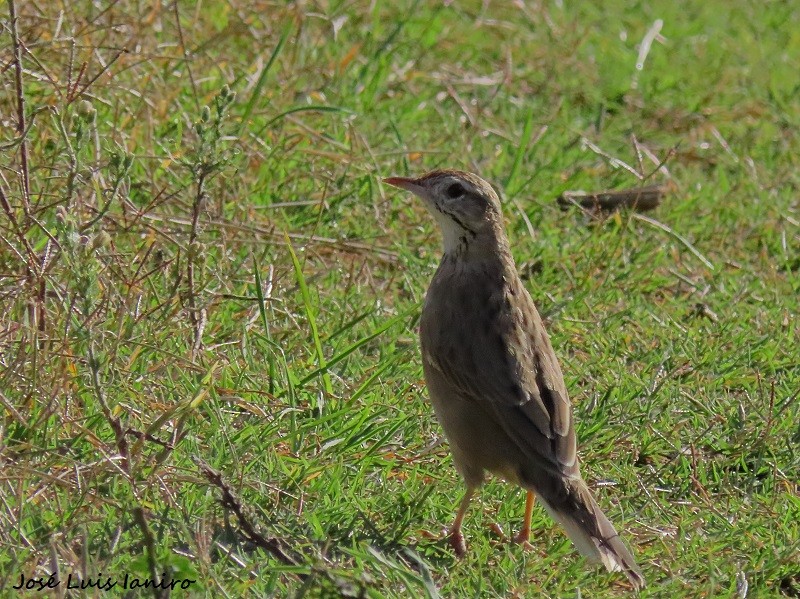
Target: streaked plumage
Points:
x,y
494,380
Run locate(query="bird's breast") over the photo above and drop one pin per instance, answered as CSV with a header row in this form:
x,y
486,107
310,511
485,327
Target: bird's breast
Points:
x,y
463,310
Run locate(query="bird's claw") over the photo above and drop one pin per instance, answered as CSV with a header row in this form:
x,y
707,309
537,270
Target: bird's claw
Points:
x,y
521,538
457,542
498,530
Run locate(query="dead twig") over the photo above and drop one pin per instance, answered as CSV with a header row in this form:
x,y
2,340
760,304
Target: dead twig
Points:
x,y
231,502
640,198
148,437
23,148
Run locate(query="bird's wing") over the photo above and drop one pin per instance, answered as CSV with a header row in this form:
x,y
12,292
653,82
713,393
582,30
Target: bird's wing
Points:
x,y
508,366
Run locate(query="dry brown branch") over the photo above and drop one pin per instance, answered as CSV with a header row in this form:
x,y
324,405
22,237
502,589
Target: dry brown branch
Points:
x,y
23,148
640,198
231,502
148,437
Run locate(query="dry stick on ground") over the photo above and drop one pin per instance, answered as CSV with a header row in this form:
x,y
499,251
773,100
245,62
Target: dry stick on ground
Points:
x,y
148,437
231,502
640,198
271,544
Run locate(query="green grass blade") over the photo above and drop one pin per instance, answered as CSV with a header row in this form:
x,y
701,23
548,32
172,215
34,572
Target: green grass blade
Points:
x,y
525,139
262,79
312,319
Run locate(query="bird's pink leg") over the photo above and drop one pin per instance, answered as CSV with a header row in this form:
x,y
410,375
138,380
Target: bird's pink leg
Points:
x,y
525,533
456,538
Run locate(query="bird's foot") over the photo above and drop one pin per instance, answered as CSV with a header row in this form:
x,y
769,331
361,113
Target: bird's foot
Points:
x,y
522,538
457,542
431,536
498,530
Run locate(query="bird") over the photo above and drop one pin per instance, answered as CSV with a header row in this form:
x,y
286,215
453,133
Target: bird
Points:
x,y
492,375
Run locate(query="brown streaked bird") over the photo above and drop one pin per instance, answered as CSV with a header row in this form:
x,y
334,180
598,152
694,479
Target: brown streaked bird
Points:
x,y
493,377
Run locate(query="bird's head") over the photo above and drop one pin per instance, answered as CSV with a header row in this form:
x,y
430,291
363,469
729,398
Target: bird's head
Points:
x,y
464,205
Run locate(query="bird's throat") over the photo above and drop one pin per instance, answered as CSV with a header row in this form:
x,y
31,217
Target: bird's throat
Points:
x,y
461,244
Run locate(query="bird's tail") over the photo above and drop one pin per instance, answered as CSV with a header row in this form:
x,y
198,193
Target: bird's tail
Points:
x,y
592,533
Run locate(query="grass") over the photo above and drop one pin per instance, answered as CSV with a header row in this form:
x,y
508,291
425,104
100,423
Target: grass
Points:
x,y
199,261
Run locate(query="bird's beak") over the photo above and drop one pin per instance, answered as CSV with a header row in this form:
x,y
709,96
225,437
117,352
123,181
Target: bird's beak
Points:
x,y
405,183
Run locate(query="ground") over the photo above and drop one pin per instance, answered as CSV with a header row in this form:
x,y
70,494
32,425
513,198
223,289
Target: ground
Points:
x,y
199,263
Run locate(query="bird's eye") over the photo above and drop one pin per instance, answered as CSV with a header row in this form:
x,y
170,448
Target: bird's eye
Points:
x,y
454,191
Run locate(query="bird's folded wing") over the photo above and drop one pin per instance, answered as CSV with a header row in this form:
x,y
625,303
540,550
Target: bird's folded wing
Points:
x,y
514,374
